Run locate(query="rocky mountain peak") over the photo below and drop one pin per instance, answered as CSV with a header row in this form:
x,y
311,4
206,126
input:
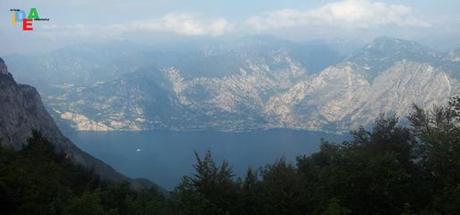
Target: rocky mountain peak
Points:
x,y
383,48
383,52
386,44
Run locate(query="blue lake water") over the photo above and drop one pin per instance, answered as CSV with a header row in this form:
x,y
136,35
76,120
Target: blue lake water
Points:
x,y
165,156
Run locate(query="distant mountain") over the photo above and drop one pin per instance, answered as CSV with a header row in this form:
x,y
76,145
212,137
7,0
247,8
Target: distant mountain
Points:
x,y
254,83
79,64
22,112
454,55
383,52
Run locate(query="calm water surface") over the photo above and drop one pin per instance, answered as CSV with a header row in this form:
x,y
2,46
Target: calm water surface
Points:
x,y
165,156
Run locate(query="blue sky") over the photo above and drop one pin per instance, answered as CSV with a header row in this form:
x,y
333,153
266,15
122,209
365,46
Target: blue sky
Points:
x,y
435,23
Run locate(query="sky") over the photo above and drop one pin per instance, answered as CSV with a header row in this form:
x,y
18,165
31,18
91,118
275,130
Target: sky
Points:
x,y
434,23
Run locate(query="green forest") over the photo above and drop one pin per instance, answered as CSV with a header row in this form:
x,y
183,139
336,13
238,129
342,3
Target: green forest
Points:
x,y
398,166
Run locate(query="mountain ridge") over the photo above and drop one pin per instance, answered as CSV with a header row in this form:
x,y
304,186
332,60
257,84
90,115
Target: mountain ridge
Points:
x,y
271,89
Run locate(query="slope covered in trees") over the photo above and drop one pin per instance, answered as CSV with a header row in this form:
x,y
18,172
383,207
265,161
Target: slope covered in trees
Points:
x,y
36,180
389,169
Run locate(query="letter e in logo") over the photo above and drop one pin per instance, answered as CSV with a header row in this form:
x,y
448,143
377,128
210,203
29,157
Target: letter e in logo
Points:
x,y
27,25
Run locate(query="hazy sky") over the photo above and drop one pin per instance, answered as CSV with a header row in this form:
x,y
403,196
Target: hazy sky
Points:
x,y
436,23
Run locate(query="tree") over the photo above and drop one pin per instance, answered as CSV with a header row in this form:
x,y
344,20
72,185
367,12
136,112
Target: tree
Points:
x,y
211,190
438,130
282,189
370,174
334,208
251,189
87,203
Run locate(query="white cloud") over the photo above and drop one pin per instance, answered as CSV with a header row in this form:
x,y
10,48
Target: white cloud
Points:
x,y
183,24
341,19
352,14
178,23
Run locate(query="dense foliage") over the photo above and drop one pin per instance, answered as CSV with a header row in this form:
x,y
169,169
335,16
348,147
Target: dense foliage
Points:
x,y
38,181
398,167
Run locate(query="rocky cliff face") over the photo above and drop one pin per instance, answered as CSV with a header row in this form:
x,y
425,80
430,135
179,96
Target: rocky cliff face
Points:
x,y
21,111
341,97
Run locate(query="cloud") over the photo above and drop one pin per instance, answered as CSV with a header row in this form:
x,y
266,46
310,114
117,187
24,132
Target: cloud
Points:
x,y
349,19
351,14
183,24
178,23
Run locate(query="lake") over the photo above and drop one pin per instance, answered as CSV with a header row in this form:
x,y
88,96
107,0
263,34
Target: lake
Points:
x,y
165,156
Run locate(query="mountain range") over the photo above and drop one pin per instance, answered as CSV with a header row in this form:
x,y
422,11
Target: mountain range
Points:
x,y
238,85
